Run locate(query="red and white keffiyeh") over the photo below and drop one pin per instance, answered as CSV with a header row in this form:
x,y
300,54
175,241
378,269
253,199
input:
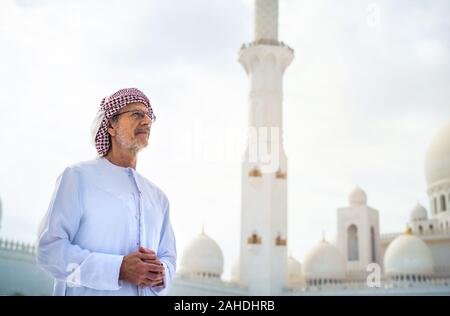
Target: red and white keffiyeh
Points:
x,y
108,107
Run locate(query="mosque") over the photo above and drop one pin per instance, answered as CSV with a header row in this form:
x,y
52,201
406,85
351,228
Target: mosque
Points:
x,y
362,261
414,262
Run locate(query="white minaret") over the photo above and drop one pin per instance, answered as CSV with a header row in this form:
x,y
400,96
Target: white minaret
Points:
x,y
263,257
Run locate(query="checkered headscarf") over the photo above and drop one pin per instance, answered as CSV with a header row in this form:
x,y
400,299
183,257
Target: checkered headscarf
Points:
x,y
108,107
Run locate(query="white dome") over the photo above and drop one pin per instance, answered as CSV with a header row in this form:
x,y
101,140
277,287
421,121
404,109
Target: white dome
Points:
x,y
294,270
408,254
418,213
437,161
357,197
202,256
324,261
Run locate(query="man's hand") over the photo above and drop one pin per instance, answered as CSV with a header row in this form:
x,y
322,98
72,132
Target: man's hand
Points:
x,y
141,268
159,281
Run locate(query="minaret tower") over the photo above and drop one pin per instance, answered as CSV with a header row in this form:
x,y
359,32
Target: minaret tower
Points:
x,y
263,257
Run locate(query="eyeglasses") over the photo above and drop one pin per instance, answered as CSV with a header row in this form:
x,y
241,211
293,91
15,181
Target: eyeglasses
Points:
x,y
138,114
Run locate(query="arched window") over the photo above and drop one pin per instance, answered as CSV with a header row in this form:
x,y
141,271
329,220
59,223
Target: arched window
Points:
x,y
372,243
443,204
435,206
352,243
420,229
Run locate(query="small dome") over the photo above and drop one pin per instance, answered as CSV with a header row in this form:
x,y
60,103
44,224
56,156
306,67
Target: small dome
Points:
x,y
418,213
408,255
437,161
357,197
324,261
202,257
294,270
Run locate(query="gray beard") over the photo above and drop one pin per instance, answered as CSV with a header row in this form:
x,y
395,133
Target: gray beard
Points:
x,y
130,145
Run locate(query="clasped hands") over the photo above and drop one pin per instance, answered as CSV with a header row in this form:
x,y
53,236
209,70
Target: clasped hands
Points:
x,y
142,268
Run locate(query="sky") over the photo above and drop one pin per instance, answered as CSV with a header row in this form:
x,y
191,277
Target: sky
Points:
x,y
365,94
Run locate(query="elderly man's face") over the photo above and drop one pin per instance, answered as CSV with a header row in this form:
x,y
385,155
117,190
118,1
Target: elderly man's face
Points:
x,y
129,130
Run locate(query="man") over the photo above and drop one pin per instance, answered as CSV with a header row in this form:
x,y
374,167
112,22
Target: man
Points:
x,y
107,230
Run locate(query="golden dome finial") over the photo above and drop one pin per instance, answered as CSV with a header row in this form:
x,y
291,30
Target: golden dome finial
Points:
x,y
408,231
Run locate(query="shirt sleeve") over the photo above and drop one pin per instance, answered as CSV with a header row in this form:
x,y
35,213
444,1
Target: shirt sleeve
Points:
x,y
56,253
167,252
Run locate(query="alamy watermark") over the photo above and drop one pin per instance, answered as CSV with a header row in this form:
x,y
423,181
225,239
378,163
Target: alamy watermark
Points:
x,y
373,17
374,277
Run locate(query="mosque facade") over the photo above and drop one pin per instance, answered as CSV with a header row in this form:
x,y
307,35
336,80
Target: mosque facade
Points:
x,y
362,261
